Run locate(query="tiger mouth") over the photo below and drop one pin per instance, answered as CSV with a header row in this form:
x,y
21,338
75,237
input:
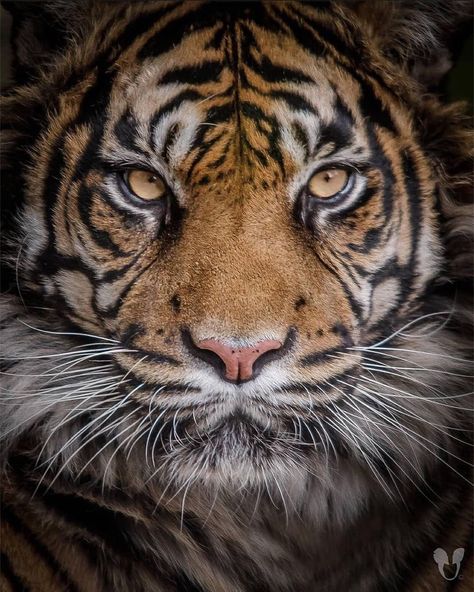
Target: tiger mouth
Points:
x,y
239,436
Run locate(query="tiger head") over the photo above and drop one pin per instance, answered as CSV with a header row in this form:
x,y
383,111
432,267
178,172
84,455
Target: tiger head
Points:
x,y
228,211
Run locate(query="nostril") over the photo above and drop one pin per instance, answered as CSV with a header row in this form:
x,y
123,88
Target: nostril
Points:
x,y
206,355
236,365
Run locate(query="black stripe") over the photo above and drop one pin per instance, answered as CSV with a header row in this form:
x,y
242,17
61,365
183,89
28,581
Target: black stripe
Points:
x,y
306,33
302,137
115,274
17,524
348,268
453,496
371,106
255,113
217,39
321,356
154,356
132,31
259,154
371,240
101,237
389,321
381,161
208,71
109,532
266,69
412,187
50,192
232,57
13,579
353,53
141,25
103,525
328,36
170,139
293,100
171,105
355,306
364,197
260,15
125,131
216,114
112,310
95,98
222,158
340,130
196,19
203,147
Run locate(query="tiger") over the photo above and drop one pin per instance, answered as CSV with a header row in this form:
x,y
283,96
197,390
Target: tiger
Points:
x,y
237,308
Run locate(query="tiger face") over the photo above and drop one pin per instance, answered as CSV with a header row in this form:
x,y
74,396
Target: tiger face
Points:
x,y
235,200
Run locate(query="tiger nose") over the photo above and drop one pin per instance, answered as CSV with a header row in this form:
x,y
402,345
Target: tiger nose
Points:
x,y
238,361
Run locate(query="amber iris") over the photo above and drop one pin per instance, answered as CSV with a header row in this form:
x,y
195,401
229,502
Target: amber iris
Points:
x,y
145,184
328,183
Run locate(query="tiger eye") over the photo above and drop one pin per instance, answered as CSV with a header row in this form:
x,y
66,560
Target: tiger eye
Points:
x,y
328,182
145,185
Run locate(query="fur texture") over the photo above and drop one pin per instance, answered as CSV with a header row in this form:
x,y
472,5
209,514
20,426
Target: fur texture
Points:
x,y
129,461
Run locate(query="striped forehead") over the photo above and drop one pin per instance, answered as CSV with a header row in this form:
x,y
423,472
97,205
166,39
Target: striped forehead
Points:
x,y
202,92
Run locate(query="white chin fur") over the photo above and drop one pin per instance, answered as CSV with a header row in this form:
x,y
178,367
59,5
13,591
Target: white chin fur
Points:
x,y
47,390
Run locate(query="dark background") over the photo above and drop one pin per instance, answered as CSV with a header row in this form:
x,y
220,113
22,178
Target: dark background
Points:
x,y
459,83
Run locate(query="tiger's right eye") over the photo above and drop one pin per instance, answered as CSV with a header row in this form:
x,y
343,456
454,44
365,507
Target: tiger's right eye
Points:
x,y
145,185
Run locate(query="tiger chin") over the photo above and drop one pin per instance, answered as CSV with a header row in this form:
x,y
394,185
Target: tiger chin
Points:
x,y
237,320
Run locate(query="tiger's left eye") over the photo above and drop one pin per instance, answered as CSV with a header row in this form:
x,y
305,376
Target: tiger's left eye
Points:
x,y
328,183
145,184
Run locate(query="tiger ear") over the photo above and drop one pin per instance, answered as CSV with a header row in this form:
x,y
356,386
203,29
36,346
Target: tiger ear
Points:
x,y
39,31
420,35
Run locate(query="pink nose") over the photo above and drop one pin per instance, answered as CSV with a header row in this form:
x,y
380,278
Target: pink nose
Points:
x,y
239,361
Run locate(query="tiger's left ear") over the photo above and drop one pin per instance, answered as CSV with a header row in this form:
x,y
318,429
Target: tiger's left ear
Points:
x,y
420,35
40,30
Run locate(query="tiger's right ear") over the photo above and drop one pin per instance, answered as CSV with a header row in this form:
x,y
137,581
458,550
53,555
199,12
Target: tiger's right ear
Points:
x,y
40,30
